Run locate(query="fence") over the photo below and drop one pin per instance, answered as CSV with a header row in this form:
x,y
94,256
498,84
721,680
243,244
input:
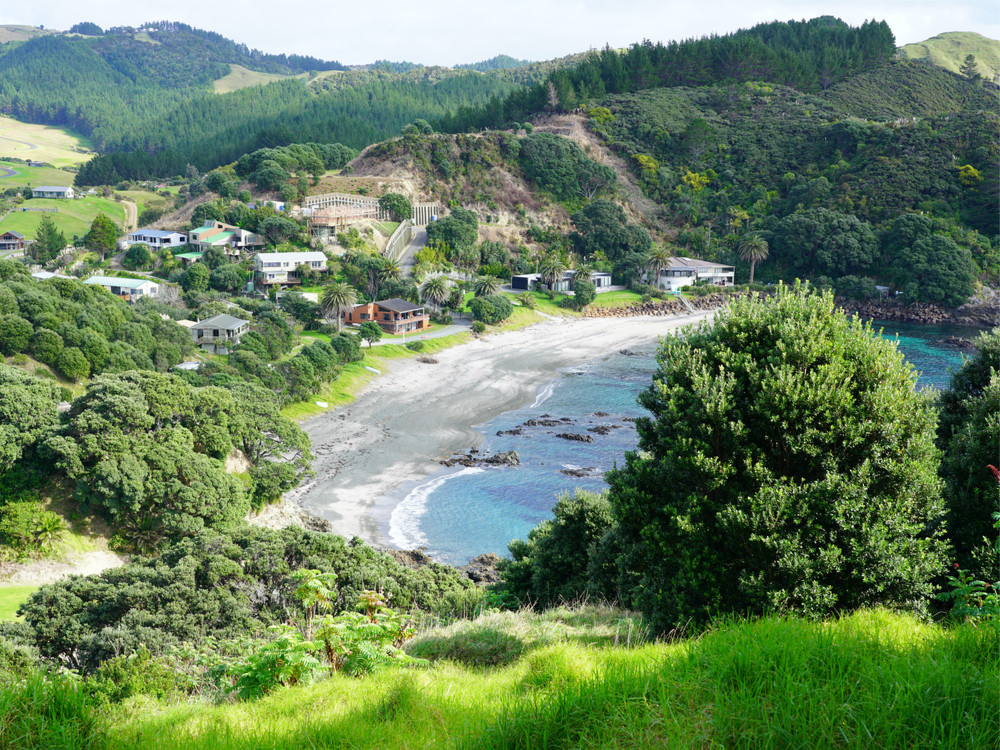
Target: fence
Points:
x,y
399,240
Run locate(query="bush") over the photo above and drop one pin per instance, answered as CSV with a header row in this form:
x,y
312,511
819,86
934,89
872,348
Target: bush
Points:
x,y
27,527
478,327
492,309
416,346
807,485
73,364
139,673
527,300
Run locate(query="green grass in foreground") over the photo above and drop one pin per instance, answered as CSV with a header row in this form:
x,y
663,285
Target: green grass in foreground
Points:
x,y
12,597
872,679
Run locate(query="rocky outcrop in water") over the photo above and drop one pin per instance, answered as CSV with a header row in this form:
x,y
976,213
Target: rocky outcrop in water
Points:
x,y
576,436
474,458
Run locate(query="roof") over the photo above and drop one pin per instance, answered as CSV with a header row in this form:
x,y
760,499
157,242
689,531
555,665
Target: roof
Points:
x,y
117,281
398,305
303,257
681,262
12,233
53,188
189,256
161,233
43,275
222,321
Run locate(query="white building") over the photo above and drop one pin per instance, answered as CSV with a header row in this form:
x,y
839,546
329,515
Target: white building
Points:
x,y
51,191
682,272
157,238
130,290
280,268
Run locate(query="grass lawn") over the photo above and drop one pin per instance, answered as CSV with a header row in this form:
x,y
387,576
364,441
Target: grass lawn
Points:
x,y
33,176
12,597
386,227
545,305
57,146
73,217
622,298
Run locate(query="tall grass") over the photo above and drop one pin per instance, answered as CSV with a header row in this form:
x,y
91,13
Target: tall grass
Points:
x,y
873,679
39,712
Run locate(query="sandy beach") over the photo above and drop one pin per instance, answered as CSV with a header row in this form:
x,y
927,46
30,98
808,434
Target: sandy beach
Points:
x,y
417,413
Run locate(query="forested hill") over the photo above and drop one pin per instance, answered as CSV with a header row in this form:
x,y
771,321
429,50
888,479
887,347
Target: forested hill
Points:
x,y
808,55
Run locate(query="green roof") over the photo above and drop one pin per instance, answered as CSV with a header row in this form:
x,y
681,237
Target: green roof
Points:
x,y
189,256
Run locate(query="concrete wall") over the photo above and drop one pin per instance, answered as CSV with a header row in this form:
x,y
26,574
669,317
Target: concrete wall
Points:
x,y
399,240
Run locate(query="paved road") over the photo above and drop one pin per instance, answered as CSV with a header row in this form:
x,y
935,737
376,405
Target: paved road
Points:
x,y
7,172
406,260
31,146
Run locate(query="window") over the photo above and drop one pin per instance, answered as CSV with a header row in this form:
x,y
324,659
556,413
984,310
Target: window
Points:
x,y
366,316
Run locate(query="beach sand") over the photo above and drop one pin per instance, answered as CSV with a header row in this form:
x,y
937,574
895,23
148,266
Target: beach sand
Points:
x,y
417,413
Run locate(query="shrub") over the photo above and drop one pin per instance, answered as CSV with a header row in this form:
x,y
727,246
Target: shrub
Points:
x,y
139,673
73,364
28,527
416,346
478,327
491,309
527,299
807,485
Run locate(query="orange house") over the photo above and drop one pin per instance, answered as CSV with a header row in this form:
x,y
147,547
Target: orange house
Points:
x,y
393,315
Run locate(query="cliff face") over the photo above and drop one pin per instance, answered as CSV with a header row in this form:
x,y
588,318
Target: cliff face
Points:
x,y
984,313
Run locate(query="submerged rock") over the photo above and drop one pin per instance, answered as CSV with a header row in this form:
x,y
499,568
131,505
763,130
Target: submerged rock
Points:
x,y
576,436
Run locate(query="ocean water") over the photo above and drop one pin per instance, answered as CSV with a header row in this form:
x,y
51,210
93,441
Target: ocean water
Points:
x,y
459,513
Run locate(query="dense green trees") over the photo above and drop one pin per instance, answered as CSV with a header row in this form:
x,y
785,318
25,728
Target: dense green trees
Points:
x,y
969,436
221,587
825,242
788,466
458,230
491,309
398,206
27,410
601,226
559,166
103,235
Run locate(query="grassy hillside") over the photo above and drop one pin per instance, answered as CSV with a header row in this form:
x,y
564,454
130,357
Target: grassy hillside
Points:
x,y
240,78
73,217
580,678
949,50
57,146
20,33
33,176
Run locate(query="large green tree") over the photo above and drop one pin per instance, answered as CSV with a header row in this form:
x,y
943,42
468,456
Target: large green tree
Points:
x,y
103,235
788,466
49,241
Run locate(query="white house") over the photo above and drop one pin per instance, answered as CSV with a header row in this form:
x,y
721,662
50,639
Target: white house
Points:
x,y
682,272
280,268
52,191
128,289
157,238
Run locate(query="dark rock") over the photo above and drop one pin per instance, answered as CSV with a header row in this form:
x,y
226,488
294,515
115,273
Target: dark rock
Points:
x,y
628,419
586,472
427,360
314,523
507,458
601,429
543,423
576,436
411,558
958,343
628,352
514,431
484,569
601,414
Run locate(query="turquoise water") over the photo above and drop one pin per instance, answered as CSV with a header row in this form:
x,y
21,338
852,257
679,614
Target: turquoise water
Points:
x,y
460,513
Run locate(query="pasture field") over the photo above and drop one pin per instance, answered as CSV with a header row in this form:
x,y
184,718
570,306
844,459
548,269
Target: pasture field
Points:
x,y
33,176
73,217
57,146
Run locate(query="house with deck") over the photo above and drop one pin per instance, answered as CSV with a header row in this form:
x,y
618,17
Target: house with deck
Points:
x,y
52,191
281,269
157,239
394,316
219,333
130,290
11,242
681,272
233,240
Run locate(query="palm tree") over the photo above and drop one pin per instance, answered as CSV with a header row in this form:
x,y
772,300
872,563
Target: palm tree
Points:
x,y
436,290
337,298
49,530
551,270
486,286
753,249
583,272
659,257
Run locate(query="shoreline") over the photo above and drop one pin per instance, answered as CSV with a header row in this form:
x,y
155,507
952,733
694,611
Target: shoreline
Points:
x,y
415,414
